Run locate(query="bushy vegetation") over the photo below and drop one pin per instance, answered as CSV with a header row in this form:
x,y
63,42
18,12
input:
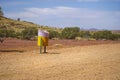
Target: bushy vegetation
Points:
x,y
28,30
1,12
108,35
85,34
4,33
29,33
73,32
54,34
70,32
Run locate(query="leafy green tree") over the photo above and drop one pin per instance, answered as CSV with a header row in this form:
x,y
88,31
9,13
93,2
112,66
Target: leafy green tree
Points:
x,y
29,33
96,35
84,34
103,35
2,35
18,35
10,33
115,37
53,34
70,32
18,19
1,12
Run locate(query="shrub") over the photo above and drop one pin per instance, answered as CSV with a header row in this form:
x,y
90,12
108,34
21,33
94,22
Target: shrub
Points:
x,y
115,37
18,35
108,35
1,12
4,33
85,34
53,34
70,32
29,33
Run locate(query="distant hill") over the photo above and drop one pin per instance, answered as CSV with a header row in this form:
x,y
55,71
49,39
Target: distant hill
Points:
x,y
116,31
18,26
95,29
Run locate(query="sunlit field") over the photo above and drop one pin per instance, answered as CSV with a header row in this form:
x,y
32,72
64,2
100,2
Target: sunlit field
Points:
x,y
78,62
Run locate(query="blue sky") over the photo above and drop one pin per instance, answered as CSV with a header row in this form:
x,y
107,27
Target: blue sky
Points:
x,y
100,14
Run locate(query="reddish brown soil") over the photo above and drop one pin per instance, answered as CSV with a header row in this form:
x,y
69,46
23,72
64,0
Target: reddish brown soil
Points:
x,y
21,60
92,62
28,45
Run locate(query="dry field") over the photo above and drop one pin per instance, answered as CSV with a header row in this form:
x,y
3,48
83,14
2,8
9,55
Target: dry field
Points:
x,y
89,62
25,45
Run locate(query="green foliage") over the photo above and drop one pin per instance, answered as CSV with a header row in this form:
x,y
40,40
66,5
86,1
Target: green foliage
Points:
x,y
27,30
4,33
85,34
18,19
53,34
29,33
108,35
115,37
102,35
1,12
70,32
18,35
10,33
18,27
7,33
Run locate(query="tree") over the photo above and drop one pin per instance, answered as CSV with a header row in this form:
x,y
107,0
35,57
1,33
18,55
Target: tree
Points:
x,y
70,32
18,19
29,33
1,12
2,35
115,36
53,34
18,35
103,35
84,34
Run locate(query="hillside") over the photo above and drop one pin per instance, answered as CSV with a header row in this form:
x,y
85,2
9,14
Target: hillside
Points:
x,y
18,26
28,30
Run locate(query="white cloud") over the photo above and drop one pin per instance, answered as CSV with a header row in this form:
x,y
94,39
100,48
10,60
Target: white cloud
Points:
x,y
88,0
70,16
21,15
64,12
96,0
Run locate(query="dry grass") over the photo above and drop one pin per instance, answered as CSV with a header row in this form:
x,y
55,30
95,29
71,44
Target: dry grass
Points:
x,y
95,62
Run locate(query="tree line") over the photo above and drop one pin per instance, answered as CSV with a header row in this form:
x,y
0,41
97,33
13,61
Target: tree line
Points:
x,y
30,33
73,32
27,33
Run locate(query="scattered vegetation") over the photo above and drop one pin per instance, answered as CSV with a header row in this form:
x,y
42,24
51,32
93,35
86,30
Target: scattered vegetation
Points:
x,y
4,33
1,12
70,32
54,34
29,33
85,34
106,35
28,30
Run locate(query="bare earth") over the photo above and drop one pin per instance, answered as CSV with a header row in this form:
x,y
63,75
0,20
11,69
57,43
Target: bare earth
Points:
x,y
90,62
